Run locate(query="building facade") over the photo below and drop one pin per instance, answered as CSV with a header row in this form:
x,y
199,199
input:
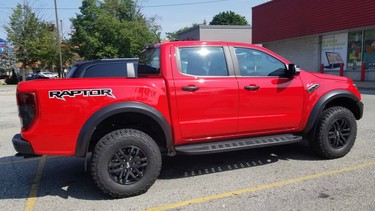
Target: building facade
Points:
x,y
218,33
3,46
320,33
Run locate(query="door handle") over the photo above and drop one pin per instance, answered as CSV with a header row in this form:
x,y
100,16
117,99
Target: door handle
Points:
x,y
251,87
190,88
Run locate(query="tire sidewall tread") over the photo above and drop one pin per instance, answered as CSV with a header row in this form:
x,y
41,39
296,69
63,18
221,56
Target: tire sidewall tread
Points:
x,y
321,144
111,143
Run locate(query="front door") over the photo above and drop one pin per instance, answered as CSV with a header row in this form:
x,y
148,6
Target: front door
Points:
x,y
269,102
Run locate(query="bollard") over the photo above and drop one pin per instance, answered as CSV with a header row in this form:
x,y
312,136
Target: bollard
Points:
x,y
342,69
321,68
363,71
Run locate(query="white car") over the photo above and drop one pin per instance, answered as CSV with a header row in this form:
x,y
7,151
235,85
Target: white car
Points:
x,y
49,74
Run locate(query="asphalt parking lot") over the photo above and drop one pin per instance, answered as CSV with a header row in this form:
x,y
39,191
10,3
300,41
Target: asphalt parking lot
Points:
x,y
278,178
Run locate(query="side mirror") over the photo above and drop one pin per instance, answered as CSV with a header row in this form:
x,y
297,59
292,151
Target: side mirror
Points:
x,y
292,70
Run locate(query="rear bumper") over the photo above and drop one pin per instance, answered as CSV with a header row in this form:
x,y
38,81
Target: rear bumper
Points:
x,y
22,146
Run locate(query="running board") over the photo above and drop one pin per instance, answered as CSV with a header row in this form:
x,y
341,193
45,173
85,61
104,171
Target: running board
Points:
x,y
237,144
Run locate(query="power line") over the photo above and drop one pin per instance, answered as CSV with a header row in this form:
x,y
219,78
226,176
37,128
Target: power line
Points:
x,y
40,8
183,4
146,6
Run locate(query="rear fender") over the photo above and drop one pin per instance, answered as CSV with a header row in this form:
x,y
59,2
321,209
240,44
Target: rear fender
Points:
x,y
88,128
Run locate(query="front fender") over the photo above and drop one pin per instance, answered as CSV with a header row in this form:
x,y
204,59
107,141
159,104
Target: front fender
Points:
x,y
327,98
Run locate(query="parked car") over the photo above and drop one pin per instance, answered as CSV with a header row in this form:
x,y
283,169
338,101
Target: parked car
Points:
x,y
33,76
4,76
48,74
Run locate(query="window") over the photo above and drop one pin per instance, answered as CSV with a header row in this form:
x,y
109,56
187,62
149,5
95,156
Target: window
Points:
x,y
203,61
71,72
106,70
354,50
369,50
256,63
149,61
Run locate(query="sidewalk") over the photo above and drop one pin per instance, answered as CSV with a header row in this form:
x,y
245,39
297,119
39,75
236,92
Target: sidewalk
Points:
x,y
365,84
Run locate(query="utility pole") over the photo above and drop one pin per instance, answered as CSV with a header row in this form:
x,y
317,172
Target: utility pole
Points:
x,y
24,50
61,29
58,40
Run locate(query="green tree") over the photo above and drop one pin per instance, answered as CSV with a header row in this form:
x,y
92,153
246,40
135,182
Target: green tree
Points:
x,y
228,18
173,36
23,34
47,46
34,40
112,28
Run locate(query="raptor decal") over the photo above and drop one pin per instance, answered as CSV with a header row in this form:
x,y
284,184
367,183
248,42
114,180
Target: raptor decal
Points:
x,y
61,94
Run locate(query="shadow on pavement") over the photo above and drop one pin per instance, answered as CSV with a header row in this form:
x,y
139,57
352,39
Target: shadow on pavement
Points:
x,y
182,166
65,176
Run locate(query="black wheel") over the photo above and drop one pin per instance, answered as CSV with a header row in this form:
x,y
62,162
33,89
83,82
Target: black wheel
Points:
x,y
336,133
125,163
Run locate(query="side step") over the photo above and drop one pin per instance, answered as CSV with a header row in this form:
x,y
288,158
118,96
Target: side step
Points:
x,y
237,144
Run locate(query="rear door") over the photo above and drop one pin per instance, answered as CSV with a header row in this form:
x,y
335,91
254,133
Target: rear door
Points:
x,y
206,92
269,101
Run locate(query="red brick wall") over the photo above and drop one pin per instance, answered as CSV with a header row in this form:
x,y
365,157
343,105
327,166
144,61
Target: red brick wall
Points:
x,y
282,19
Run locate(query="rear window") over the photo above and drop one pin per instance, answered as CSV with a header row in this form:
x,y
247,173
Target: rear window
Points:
x,y
71,72
106,70
202,61
149,61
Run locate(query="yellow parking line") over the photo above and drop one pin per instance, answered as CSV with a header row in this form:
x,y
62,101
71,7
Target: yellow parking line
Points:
x,y
261,187
31,200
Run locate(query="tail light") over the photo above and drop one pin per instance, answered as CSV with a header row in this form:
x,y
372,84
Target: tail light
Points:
x,y
27,108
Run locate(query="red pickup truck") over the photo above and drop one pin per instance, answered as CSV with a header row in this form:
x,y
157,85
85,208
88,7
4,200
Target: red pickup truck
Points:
x,y
183,98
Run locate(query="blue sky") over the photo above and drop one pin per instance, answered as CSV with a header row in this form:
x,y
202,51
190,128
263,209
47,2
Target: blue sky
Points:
x,y
171,18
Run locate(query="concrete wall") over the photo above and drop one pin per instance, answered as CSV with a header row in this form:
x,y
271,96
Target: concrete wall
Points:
x,y
303,51
190,35
218,33
234,35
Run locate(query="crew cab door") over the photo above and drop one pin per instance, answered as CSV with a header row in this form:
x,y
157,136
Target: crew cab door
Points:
x,y
206,92
269,101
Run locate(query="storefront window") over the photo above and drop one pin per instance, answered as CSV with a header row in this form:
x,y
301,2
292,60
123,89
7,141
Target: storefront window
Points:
x,y
354,50
369,49
334,51
349,49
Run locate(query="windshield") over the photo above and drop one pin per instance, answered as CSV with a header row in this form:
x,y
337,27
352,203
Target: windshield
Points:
x,y
149,61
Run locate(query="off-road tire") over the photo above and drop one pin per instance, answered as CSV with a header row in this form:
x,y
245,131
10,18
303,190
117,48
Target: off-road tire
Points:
x,y
335,133
125,163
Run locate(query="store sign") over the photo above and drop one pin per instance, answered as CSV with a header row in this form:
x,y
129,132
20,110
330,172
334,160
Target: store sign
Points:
x,y
334,51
